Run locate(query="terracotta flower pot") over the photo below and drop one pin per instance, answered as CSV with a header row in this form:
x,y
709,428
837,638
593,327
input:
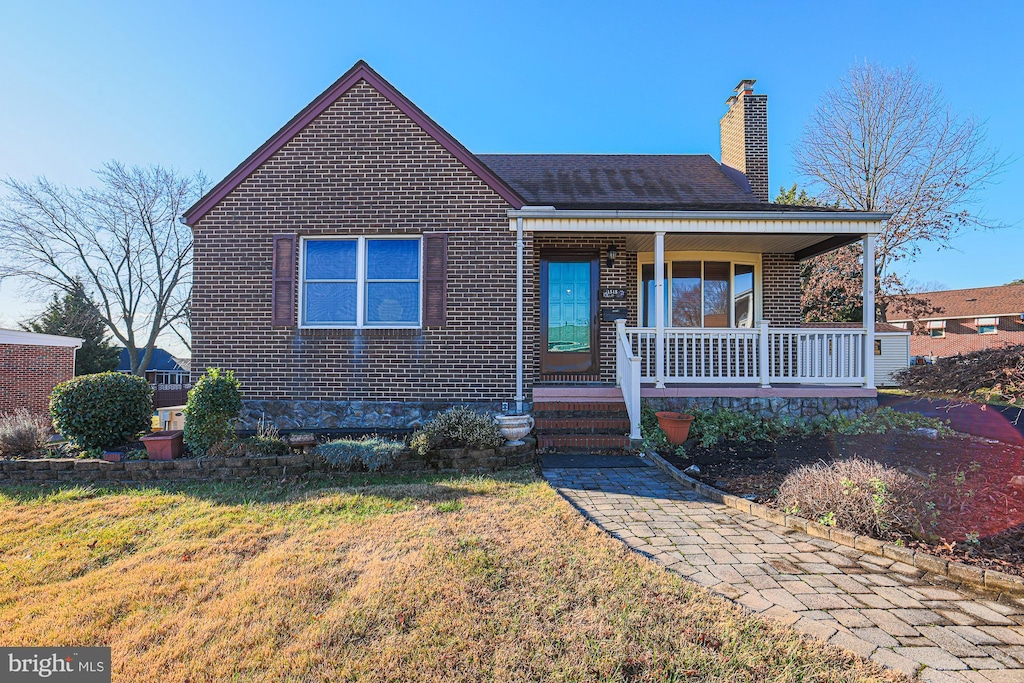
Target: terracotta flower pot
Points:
x,y
163,445
675,425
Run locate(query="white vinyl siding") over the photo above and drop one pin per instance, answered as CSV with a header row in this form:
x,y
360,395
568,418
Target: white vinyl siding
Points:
x,y
895,356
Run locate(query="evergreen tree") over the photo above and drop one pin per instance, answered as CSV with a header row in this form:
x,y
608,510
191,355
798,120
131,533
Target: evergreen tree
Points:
x,y
73,314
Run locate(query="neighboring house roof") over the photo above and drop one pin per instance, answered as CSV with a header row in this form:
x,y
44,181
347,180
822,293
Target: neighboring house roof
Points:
x,y
160,361
882,328
361,71
185,363
978,302
35,339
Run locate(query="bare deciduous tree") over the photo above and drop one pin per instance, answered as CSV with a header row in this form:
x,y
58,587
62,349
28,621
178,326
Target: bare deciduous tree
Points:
x,y
884,140
121,241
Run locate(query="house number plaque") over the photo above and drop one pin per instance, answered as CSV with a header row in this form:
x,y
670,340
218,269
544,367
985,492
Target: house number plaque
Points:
x,y
612,293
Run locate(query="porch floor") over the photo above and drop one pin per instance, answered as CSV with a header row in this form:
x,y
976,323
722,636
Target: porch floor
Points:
x,y
613,393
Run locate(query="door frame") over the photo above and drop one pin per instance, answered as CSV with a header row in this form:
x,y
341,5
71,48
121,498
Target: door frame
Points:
x,y
583,364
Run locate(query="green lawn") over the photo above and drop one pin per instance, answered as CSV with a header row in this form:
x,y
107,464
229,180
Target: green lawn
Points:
x,y
382,578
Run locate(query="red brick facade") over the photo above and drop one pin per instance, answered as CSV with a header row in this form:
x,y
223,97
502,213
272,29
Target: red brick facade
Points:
x,y
780,276
29,373
962,337
362,167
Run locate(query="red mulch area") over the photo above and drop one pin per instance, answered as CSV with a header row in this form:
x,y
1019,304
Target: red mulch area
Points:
x,y
979,501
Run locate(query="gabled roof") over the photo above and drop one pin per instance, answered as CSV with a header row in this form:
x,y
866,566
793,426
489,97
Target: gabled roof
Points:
x,y
160,361
361,71
625,181
978,302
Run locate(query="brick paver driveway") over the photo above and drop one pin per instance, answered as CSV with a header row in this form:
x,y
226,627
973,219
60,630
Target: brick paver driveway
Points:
x,y
873,606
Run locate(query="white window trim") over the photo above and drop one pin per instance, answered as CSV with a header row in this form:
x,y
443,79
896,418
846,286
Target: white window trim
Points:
x,y
733,257
361,281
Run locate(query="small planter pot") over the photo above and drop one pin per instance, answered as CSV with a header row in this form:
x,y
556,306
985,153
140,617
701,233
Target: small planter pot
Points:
x,y
163,445
514,428
113,456
675,425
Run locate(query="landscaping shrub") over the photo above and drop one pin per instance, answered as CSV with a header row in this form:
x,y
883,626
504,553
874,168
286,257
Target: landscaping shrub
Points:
x,y
102,411
711,426
22,433
861,496
372,453
883,421
213,406
457,427
267,441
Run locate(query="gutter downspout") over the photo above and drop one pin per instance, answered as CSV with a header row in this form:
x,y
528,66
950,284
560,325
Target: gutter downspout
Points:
x,y
519,315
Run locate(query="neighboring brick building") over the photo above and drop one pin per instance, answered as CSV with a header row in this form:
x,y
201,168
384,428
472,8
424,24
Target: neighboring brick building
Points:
x,y
31,365
362,268
957,321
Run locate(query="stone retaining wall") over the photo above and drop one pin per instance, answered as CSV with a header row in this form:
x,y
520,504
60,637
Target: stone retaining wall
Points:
x,y
58,470
364,415
773,407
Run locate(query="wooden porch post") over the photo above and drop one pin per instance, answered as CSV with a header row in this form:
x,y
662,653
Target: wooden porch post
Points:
x,y
659,309
869,311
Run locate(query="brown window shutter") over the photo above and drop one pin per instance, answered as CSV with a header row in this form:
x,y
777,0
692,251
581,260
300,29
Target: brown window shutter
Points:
x,y
435,279
283,305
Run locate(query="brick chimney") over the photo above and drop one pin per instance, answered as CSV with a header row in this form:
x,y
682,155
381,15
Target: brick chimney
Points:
x,y
745,137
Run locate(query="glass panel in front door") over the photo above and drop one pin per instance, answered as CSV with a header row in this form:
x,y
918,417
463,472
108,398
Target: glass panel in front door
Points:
x,y
569,307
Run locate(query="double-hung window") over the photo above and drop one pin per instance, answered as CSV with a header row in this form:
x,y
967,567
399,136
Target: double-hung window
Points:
x,y
361,282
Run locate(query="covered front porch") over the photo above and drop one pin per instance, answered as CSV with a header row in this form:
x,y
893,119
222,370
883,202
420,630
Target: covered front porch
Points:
x,y
667,335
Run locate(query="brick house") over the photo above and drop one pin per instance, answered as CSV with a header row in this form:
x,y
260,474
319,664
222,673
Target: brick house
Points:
x,y
363,268
31,365
957,321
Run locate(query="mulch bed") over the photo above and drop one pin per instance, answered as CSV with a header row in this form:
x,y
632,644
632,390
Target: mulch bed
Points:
x,y
979,503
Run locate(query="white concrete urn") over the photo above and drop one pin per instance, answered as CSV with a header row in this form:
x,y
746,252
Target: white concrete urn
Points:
x,y
514,428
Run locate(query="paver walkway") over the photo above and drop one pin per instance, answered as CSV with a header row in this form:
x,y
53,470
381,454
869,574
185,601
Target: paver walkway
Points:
x,y
870,605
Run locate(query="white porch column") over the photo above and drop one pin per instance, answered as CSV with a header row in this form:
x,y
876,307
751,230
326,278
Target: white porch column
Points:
x,y
659,309
869,311
519,316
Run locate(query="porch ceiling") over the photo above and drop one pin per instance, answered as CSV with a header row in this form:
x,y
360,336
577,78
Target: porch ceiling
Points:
x,y
804,245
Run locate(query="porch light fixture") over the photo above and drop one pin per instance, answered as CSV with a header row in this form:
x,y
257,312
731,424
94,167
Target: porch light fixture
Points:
x,y
613,253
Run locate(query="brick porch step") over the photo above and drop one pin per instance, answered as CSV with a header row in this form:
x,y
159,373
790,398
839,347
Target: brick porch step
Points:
x,y
576,443
562,407
577,425
582,425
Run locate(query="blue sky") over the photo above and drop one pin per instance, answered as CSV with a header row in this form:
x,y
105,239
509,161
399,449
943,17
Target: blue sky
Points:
x,y
200,85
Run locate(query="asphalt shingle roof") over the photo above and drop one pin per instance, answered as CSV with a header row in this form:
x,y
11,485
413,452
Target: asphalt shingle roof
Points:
x,y
978,302
621,181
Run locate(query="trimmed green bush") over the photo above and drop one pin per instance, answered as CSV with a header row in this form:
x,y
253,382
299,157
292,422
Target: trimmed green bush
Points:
x,y
458,427
213,406
102,411
370,452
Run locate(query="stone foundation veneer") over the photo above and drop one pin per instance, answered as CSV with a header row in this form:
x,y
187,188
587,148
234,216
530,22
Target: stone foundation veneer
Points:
x,y
772,407
291,415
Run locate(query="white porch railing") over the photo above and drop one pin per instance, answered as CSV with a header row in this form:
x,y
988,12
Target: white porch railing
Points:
x,y
628,374
760,355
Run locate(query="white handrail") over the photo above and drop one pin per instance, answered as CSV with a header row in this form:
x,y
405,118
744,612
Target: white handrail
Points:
x,y
628,377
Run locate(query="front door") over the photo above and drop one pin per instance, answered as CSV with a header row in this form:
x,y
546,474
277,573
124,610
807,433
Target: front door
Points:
x,y
568,314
